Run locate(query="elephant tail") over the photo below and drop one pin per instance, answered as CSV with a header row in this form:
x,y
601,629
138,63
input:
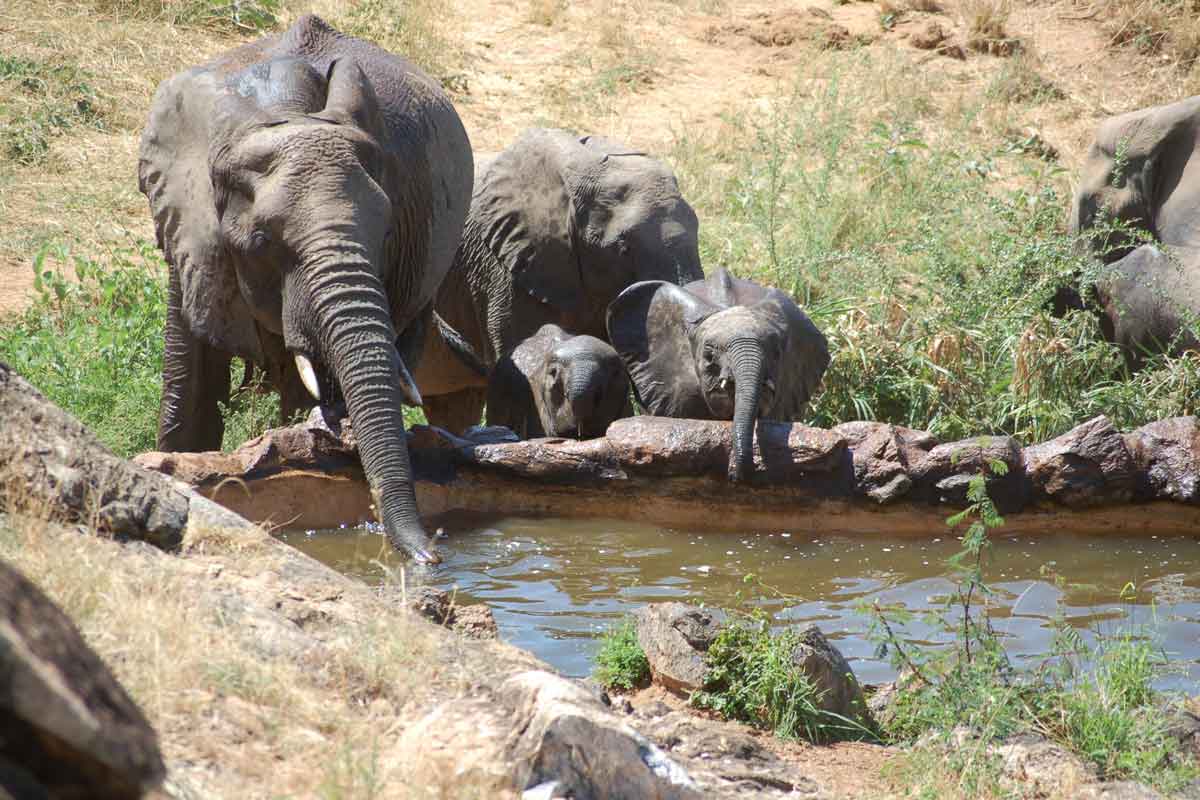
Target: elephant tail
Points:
x,y
460,347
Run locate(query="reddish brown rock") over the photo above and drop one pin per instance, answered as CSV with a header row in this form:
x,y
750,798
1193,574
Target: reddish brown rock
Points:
x,y
1088,465
475,621
548,459
883,456
943,475
67,728
927,36
1166,454
784,452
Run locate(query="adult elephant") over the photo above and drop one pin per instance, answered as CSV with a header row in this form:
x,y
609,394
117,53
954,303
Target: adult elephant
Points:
x,y
720,348
1143,173
559,225
309,191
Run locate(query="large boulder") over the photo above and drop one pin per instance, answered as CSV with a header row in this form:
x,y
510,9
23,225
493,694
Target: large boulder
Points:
x,y
784,452
1041,768
1166,455
1088,465
67,728
883,457
52,465
838,690
543,734
944,474
675,638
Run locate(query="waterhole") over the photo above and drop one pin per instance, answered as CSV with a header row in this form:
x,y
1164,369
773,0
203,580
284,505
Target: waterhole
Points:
x,y
555,585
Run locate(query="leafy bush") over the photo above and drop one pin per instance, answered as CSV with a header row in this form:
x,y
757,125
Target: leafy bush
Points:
x,y
620,662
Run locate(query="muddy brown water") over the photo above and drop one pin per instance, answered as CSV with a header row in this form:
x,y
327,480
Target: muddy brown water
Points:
x,y
555,584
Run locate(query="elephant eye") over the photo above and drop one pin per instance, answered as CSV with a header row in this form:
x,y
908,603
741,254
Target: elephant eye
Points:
x,y
259,240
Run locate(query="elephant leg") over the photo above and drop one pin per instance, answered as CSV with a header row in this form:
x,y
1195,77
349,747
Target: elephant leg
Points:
x,y
456,411
195,381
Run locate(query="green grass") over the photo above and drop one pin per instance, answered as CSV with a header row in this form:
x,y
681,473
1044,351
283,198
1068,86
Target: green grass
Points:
x,y
40,101
620,662
233,16
750,676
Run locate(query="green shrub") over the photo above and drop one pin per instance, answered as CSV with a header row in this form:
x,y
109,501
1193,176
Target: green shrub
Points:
x,y
46,99
620,662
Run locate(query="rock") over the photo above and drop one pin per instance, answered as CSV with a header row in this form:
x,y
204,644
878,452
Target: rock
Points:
x,y
883,457
541,729
66,725
60,470
490,434
942,476
1117,790
550,460
1042,767
838,690
431,603
1088,465
1166,455
675,637
1184,727
784,452
475,622
927,36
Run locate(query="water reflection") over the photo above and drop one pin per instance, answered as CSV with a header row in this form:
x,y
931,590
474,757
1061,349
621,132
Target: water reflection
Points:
x,y
554,584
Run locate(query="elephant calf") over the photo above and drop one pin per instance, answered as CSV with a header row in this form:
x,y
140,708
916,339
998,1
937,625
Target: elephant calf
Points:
x,y
1143,170
557,384
720,348
559,224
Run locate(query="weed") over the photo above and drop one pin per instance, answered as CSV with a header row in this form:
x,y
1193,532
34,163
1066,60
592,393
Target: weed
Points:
x,y
1020,81
986,22
413,29
620,662
1167,27
247,16
46,100
750,676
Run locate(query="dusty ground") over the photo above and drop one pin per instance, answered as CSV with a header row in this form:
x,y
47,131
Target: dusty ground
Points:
x,y
647,71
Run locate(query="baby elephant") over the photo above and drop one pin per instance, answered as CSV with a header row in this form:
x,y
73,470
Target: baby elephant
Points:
x,y
720,348
557,384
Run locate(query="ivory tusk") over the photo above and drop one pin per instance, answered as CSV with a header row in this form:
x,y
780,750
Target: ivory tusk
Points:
x,y
308,376
408,386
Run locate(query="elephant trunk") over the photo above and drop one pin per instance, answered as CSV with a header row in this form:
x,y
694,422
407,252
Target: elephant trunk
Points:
x,y
748,367
582,394
357,340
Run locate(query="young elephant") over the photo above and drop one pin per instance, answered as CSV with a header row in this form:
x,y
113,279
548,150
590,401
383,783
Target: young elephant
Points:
x,y
557,384
720,348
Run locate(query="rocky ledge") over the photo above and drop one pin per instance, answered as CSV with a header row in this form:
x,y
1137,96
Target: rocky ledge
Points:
x,y
846,479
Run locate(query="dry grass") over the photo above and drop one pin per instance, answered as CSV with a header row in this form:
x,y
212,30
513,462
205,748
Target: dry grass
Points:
x,y
545,12
239,712
986,22
1166,27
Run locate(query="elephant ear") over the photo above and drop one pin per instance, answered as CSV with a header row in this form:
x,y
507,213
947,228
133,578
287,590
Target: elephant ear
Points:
x,y
513,384
173,173
805,354
526,213
650,325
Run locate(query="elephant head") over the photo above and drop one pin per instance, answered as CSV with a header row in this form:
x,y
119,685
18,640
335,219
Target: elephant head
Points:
x,y
287,216
556,384
721,348
1142,169
575,220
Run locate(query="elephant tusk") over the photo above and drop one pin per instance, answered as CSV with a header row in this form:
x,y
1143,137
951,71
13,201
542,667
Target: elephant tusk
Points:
x,y
308,376
407,385
724,384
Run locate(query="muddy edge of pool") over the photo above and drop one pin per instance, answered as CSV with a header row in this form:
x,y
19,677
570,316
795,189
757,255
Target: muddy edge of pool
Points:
x,y
855,478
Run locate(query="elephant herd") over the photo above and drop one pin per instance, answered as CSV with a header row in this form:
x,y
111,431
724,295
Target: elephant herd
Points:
x,y
323,217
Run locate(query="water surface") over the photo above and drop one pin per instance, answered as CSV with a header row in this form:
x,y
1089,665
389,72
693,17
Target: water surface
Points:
x,y
555,584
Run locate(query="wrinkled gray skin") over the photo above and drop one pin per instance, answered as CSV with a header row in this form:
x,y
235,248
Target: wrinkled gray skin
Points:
x,y
556,384
1148,293
559,225
721,348
309,190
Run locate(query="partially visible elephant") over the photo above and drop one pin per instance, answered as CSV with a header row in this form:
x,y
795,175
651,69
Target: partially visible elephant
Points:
x,y
559,225
720,348
1143,170
309,191
557,384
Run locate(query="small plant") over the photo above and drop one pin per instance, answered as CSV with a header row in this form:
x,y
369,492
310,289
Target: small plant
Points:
x,y
986,22
750,677
49,99
620,662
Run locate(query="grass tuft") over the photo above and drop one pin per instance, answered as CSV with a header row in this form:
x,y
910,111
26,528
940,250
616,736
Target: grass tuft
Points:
x,y
620,662
45,100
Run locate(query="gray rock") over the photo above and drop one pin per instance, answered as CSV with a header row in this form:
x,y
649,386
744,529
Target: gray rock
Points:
x,y
883,456
1088,465
475,622
838,690
66,725
431,603
945,472
1117,790
675,637
1166,454
1042,767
